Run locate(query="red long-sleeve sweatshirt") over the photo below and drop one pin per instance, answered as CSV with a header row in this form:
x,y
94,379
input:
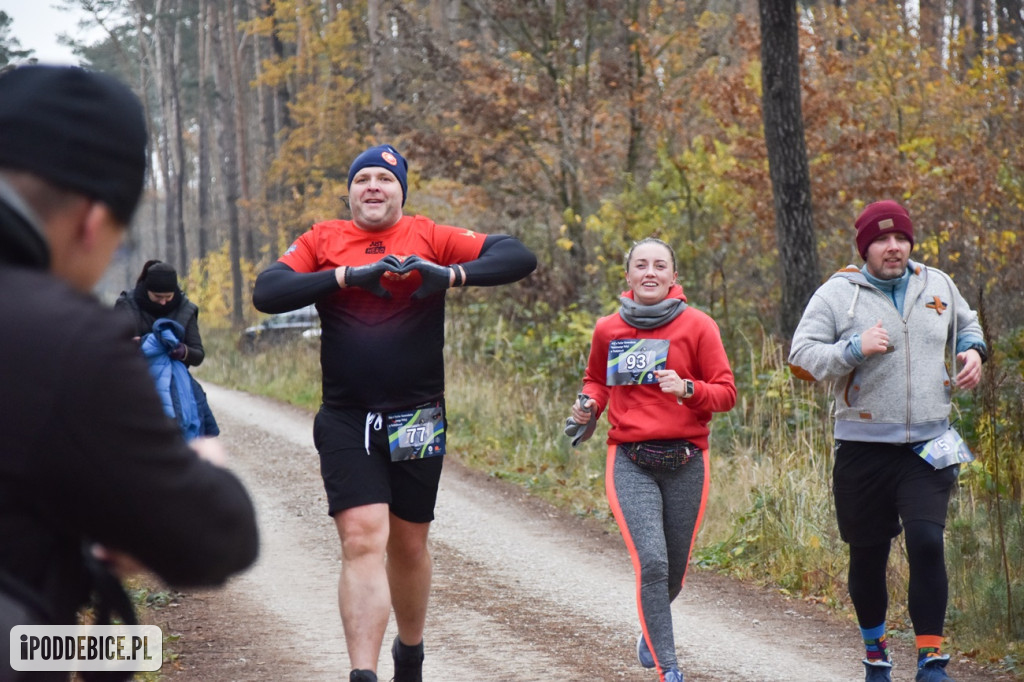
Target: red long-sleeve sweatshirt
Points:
x,y
642,411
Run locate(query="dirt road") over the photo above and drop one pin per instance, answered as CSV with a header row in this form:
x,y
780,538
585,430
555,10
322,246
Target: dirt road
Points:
x,y
522,592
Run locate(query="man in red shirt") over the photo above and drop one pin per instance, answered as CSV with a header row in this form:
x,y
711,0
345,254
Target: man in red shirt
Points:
x,y
378,282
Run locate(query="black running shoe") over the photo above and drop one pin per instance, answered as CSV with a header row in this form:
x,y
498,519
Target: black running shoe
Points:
x,y
408,662
358,675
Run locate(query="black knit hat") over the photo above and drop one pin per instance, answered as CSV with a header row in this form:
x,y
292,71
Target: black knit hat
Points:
x,y
81,130
161,278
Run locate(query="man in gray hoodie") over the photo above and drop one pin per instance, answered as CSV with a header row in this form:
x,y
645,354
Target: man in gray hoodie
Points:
x,y
880,333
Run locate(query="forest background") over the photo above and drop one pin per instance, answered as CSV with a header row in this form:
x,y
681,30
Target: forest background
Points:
x,y
580,126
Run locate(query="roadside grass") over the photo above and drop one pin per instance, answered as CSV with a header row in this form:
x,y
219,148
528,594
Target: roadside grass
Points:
x,y
147,601
769,507
769,517
149,598
289,372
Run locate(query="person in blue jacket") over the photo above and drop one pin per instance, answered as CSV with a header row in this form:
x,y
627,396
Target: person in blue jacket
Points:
x,y
157,294
157,297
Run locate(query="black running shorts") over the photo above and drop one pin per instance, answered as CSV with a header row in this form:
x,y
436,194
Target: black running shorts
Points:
x,y
878,485
353,478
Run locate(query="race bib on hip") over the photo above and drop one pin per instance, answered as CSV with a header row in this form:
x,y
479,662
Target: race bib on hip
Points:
x,y
416,433
945,450
633,361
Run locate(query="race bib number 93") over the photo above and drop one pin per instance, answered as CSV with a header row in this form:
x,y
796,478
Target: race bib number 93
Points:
x,y
633,361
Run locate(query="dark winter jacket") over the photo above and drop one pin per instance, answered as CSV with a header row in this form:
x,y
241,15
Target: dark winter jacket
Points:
x,y
87,454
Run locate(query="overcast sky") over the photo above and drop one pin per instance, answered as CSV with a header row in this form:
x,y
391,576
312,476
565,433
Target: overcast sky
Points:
x,y
36,26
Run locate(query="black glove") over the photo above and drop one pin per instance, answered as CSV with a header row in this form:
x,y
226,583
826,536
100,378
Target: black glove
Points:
x,y
368,276
435,277
179,352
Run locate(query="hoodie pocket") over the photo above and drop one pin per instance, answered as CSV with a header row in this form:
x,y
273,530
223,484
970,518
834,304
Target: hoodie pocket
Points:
x,y
637,397
851,390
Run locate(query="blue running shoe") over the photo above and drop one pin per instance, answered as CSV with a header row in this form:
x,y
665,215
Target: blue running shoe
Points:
x,y
672,675
643,653
877,671
933,669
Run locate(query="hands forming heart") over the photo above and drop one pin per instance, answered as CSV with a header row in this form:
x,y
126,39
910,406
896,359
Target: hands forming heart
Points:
x,y
435,277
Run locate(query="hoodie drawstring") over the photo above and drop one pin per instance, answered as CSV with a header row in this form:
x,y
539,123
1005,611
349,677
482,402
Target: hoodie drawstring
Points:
x,y
375,420
853,303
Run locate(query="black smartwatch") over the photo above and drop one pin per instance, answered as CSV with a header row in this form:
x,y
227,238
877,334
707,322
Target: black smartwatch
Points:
x,y
687,388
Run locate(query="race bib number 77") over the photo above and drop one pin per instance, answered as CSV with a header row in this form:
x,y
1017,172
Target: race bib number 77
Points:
x,y
416,433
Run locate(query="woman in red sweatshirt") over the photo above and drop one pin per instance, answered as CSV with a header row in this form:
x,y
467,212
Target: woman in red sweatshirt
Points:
x,y
660,368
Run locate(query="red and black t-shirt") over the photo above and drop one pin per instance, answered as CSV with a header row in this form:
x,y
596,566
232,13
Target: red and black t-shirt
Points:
x,y
381,353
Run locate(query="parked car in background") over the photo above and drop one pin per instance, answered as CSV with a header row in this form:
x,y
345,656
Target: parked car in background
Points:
x,y
278,329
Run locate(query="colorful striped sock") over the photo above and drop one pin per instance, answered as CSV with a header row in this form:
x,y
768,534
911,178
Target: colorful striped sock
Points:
x,y
875,643
928,646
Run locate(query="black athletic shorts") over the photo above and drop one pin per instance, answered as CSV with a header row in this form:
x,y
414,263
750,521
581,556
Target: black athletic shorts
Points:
x,y
878,485
353,478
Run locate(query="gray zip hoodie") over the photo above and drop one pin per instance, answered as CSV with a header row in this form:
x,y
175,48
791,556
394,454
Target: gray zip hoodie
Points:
x,y
902,396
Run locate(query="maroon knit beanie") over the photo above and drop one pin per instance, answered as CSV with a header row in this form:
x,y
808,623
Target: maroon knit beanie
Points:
x,y
879,218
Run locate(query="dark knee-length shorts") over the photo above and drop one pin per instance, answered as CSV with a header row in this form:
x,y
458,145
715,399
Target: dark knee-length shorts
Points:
x,y
353,478
879,485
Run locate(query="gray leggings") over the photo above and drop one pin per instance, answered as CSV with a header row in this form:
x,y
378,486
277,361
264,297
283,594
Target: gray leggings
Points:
x,y
658,515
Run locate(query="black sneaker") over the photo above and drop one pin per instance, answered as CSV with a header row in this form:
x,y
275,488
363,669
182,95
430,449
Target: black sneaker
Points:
x,y
408,662
358,675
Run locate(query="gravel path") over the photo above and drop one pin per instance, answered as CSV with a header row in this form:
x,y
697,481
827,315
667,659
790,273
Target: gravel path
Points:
x,y
522,592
